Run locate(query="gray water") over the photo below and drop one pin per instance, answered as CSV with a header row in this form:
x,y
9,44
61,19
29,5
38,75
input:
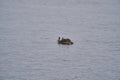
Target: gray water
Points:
x,y
29,30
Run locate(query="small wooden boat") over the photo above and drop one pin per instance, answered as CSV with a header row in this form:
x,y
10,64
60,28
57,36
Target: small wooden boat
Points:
x,y
64,41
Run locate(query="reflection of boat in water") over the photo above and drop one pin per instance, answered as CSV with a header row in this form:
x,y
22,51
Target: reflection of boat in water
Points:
x,y
64,41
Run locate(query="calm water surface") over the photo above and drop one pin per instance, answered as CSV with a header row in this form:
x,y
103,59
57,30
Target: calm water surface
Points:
x,y
29,30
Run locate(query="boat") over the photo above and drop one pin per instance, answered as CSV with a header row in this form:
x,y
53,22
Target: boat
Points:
x,y
64,41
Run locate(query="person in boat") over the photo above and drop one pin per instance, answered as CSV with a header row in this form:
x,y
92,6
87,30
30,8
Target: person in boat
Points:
x,y
66,40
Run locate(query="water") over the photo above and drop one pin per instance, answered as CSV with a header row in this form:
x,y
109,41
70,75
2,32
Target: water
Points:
x,y
29,30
